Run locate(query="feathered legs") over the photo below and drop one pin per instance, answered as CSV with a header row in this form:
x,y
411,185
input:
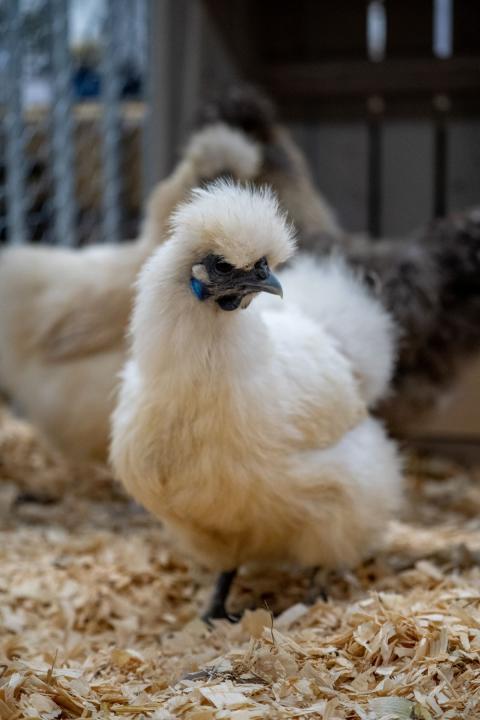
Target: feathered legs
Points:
x,y
216,609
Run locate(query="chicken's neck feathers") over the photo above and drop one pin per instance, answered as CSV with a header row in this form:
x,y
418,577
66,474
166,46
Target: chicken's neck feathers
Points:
x,y
191,343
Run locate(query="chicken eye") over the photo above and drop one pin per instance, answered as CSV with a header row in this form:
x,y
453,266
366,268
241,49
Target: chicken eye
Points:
x,y
223,267
261,268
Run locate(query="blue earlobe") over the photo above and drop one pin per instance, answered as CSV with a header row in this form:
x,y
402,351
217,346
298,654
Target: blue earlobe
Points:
x,y
199,289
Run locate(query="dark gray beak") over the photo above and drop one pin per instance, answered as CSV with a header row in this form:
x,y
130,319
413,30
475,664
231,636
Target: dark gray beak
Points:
x,y
269,284
229,285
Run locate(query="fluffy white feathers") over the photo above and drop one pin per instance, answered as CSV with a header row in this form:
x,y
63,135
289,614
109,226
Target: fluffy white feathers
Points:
x,y
329,292
238,224
247,432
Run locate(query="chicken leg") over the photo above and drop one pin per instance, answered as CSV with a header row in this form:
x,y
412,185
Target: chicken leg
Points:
x,y
216,609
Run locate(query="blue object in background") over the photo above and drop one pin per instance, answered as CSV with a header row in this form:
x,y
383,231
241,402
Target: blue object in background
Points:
x,y
86,82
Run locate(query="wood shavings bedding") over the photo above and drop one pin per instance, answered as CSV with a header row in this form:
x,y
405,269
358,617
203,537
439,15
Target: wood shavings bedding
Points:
x,y
99,612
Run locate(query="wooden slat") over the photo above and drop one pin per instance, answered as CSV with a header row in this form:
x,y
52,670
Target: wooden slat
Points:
x,y
344,79
466,27
337,155
309,31
463,163
407,175
374,176
409,28
440,168
331,109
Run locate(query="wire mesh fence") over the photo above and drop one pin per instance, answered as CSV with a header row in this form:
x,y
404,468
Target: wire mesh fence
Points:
x,y
72,114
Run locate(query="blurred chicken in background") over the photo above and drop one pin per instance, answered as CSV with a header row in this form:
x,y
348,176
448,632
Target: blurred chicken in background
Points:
x,y
64,312
283,166
429,281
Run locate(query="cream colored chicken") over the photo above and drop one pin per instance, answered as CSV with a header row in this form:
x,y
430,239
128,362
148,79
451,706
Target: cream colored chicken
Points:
x,y
64,312
243,423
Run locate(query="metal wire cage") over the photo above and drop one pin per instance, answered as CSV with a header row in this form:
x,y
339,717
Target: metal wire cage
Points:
x,y
73,75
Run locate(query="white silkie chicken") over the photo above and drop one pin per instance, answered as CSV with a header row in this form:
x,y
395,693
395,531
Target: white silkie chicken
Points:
x,y
247,430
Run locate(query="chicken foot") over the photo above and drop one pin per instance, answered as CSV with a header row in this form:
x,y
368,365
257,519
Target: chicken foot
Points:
x,y
216,609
